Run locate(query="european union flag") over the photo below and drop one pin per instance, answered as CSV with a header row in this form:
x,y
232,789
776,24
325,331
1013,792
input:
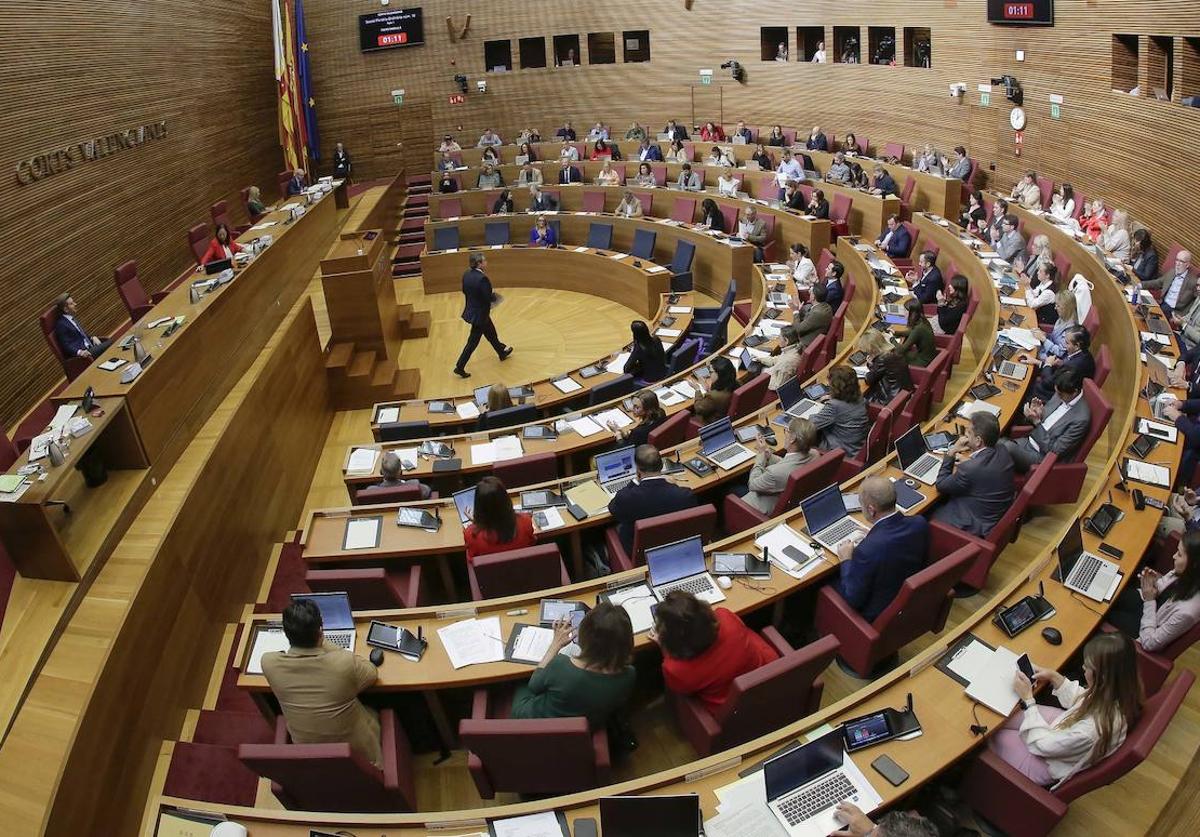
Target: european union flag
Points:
x,y
307,102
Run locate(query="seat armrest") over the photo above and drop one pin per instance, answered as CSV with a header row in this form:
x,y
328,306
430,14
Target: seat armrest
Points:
x,y
1006,797
603,756
776,641
281,730
1019,431
740,515
406,585
479,705
476,592
699,727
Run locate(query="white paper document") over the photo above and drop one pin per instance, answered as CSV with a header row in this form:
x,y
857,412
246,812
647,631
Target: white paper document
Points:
x,y
548,518
668,397
361,460
637,601
1023,337
467,410
532,644
617,365
566,385
1148,472
667,332
473,641
613,415
784,537
581,249
656,269
544,824
265,641
993,684
679,309
584,426
968,410
1012,300
62,415
1158,430
685,389
387,415
751,820
362,533
970,660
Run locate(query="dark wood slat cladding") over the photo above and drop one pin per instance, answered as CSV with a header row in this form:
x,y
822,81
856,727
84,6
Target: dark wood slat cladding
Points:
x,y
75,70
1101,144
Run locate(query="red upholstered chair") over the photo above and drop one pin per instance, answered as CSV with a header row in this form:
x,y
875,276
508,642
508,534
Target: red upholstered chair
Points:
x,y
944,538
622,171
839,215
826,257
1046,187
896,405
373,588
771,245
750,396
729,213
873,448
1063,264
517,571
921,606
220,215
197,238
375,494
330,777
656,531
528,470
544,756
1006,798
130,289
906,193
1092,321
671,432
593,201
72,366
805,480
926,378
450,208
282,179
684,210
659,170
894,149
647,201
1066,480
810,358
789,136
759,701
209,773
1103,366
1155,666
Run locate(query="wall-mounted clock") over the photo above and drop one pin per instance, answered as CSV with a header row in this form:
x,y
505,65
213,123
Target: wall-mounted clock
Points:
x,y
1016,118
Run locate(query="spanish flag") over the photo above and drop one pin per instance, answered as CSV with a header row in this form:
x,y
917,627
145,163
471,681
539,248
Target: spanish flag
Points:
x,y
291,122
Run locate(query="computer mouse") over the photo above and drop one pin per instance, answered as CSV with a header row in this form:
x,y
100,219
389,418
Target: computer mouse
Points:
x,y
724,582
376,657
1052,636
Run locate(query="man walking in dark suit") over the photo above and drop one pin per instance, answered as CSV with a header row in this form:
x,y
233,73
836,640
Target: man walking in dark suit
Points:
x,y
477,310
874,570
979,490
649,496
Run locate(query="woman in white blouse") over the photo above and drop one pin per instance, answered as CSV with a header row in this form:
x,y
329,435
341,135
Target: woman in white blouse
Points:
x,y
1115,238
930,161
1050,745
804,272
727,184
717,157
608,176
1041,295
1062,202
678,154
630,206
645,177
1162,608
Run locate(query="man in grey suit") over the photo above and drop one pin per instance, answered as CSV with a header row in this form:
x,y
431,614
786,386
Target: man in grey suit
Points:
x,y
1009,243
813,320
753,230
1178,287
979,490
1058,426
770,473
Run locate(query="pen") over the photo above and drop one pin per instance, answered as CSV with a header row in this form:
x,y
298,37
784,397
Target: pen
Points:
x,y
518,612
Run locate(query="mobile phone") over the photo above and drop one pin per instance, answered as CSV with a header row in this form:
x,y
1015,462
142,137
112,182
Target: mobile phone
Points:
x,y
1025,666
1139,499
584,827
1112,550
888,769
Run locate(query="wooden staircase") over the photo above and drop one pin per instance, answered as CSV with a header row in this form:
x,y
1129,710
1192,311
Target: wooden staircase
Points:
x,y
410,240
359,379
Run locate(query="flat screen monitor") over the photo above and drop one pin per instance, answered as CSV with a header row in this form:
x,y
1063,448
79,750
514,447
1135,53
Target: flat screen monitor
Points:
x,y
391,29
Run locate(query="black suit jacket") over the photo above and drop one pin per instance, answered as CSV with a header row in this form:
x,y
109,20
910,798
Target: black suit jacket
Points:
x,y
979,491
818,143
834,293
1081,362
570,175
543,203
927,287
477,289
680,132
640,500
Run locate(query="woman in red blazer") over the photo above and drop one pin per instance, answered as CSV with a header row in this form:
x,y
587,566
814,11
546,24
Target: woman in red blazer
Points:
x,y
222,246
495,526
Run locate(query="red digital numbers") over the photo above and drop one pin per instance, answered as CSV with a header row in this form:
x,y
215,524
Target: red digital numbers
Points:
x,y
393,39
1018,11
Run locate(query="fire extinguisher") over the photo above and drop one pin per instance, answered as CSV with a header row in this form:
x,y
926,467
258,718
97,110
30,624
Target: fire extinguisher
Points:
x,y
1020,140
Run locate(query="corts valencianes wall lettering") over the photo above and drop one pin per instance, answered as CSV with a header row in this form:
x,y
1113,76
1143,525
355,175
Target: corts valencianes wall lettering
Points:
x,y
41,166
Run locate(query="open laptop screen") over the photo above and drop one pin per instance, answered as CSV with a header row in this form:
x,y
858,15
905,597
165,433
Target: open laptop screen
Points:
x,y
1069,549
650,816
789,392
823,509
717,435
334,607
615,465
910,447
464,502
675,560
784,773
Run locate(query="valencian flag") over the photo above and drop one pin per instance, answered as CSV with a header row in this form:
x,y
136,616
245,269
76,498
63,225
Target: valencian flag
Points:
x,y
291,122
308,105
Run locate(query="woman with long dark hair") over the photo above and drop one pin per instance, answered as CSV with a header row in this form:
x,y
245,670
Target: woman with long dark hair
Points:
x,y
495,526
222,246
714,404
647,413
919,346
647,360
1163,607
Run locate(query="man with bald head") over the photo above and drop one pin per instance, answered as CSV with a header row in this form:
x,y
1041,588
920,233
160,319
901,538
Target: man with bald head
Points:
x,y
874,569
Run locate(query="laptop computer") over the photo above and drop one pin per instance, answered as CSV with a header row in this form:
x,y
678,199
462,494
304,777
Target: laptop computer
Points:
x,y
793,402
827,519
1084,572
615,470
464,504
916,460
805,785
650,816
778,298
1010,369
336,619
680,566
219,266
720,446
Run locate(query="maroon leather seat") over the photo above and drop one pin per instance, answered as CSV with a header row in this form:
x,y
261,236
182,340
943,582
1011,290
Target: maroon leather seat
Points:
x,y
130,289
387,494
528,470
657,531
805,480
517,571
73,366
198,239
373,588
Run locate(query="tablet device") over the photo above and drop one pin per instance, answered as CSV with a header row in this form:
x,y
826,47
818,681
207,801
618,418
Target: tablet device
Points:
x,y
554,609
867,730
740,564
1142,445
1017,618
936,441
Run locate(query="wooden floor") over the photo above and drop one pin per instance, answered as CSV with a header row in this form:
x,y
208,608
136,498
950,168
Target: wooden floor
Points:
x,y
552,331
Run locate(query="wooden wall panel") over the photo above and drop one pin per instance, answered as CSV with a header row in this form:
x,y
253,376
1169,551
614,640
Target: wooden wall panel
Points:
x,y
1100,145
73,70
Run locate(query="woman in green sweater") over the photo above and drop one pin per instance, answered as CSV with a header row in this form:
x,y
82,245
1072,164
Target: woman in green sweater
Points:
x,y
595,684
919,347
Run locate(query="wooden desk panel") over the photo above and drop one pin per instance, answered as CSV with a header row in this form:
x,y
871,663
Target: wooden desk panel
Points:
x,y
360,294
715,262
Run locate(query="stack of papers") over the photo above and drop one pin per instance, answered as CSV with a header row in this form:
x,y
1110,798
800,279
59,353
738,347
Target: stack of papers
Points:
x,y
361,460
589,496
565,385
973,407
497,450
467,410
473,641
12,486
387,415
584,426
545,824
685,389
991,677
668,397
667,332
1023,337
617,365
548,518
637,601
265,641
61,416
613,415
656,269
788,551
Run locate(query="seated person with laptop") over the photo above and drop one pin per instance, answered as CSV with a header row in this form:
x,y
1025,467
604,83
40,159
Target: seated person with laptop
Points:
x,y
495,525
770,472
392,470
596,684
979,489
812,320
222,247
874,569
72,338
317,684
843,420
705,649
1059,425
892,824
649,495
